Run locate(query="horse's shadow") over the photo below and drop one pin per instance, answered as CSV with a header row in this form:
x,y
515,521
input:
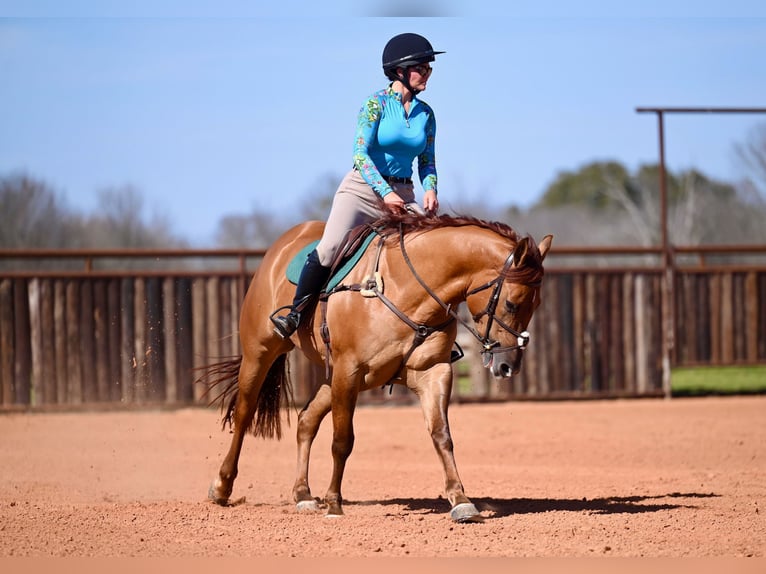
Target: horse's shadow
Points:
x,y
499,507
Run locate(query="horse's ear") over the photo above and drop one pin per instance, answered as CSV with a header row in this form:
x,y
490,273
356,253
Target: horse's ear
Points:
x,y
521,251
545,245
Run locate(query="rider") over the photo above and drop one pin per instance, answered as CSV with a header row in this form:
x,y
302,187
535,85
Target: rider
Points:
x,y
394,127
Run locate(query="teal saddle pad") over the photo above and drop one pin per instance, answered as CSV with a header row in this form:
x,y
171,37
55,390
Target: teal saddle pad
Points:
x,y
296,265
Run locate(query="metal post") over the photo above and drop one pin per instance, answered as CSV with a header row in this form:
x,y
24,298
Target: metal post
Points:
x,y
668,334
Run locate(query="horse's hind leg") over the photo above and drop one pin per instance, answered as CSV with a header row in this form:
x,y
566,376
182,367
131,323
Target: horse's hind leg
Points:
x,y
434,388
250,381
308,425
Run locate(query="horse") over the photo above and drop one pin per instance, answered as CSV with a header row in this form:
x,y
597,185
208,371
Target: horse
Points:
x,y
393,319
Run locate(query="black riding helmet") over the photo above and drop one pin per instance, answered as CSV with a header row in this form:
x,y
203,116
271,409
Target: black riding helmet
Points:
x,y
403,51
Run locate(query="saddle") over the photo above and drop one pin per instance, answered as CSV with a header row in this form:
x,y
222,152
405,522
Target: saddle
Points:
x,y
348,255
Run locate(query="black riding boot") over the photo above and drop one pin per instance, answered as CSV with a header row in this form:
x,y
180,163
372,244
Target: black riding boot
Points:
x,y
312,279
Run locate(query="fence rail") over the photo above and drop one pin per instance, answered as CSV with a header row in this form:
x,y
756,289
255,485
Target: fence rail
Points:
x,y
119,327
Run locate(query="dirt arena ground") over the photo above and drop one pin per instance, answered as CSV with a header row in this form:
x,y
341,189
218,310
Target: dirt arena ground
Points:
x,y
642,478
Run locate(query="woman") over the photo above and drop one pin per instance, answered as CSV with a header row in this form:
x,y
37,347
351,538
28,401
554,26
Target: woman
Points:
x,y
393,128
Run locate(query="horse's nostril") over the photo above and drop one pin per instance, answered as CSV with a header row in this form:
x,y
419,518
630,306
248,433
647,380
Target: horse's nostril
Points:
x,y
505,370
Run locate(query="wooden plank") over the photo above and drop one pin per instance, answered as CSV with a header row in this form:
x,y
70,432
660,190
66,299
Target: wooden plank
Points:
x,y
539,379
128,363
35,342
716,341
199,351
602,332
642,333
686,321
751,317
213,352
237,297
101,340
155,347
87,343
628,332
551,375
60,336
616,362
590,346
139,340
7,343
578,332
739,320
564,341
227,335
48,366
702,285
657,325
184,340
74,370
114,330
23,355
169,332
727,319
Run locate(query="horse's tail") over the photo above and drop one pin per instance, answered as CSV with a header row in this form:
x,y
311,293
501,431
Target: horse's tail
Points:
x,y
223,378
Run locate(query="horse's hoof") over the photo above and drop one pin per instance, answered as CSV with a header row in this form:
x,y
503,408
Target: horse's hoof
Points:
x,y
328,515
465,512
212,494
307,506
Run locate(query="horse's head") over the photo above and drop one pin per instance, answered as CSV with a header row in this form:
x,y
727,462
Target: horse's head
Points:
x,y
503,306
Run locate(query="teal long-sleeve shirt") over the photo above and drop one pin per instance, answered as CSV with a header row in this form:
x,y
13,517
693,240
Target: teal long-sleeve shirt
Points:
x,y
388,140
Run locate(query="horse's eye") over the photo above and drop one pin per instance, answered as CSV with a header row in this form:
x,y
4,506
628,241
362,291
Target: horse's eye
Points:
x,y
512,308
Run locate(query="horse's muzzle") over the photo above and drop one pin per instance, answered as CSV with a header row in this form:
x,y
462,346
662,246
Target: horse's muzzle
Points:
x,y
503,365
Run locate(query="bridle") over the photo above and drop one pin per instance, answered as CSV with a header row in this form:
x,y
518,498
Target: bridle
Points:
x,y
489,346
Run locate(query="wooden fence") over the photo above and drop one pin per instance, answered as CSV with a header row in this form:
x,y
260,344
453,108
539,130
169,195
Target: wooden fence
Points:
x,y
134,338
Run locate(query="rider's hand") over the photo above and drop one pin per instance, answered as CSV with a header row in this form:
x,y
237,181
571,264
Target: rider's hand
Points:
x,y
393,201
430,202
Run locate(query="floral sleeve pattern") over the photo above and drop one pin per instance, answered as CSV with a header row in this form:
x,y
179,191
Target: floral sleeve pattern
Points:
x,y
366,127
427,159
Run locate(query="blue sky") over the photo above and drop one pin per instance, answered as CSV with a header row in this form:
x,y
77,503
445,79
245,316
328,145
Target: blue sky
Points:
x,y
210,111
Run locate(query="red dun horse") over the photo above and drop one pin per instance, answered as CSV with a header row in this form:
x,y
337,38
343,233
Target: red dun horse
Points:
x,y
393,319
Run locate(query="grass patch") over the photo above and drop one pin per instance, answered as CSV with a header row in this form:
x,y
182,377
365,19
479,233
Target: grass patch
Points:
x,y
693,381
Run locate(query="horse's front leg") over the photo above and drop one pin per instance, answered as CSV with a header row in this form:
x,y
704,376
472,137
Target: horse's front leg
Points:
x,y
434,388
344,395
308,425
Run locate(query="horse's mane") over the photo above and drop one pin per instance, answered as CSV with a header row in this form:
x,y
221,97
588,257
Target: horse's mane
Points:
x,y
409,222
392,221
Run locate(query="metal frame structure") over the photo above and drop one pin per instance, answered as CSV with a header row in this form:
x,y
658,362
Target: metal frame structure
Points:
x,y
668,266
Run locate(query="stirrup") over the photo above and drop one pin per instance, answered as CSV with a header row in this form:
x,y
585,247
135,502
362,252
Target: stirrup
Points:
x,y
286,325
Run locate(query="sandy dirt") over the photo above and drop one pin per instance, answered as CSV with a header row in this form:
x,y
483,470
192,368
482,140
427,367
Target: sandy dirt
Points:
x,y
653,478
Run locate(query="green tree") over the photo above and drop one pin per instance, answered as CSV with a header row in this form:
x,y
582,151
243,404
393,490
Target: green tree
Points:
x,y
590,186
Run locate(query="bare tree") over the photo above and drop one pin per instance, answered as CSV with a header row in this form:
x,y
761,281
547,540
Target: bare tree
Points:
x,y
120,221
32,215
752,154
257,230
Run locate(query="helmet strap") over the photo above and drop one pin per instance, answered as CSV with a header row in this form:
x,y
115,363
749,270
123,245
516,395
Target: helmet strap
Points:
x,y
404,79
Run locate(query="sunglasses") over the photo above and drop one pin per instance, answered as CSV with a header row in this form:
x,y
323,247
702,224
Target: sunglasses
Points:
x,y
422,69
